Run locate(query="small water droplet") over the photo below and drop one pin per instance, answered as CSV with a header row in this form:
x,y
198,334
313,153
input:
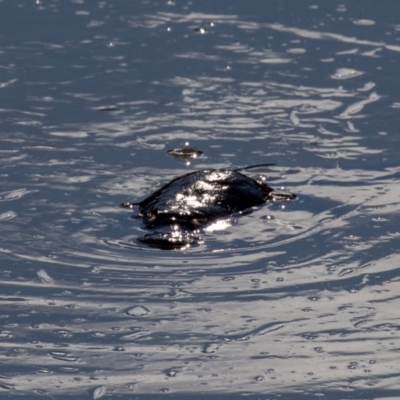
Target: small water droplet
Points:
x,y
353,365
211,348
200,31
319,349
172,372
185,152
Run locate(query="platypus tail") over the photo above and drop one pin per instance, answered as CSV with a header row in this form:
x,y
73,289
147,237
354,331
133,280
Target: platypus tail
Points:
x,y
252,166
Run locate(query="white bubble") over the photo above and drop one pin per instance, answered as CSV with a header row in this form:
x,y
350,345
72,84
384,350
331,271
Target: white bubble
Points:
x,y
99,392
44,277
138,311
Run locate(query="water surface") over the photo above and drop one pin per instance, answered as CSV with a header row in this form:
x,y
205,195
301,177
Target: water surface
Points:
x,y
294,301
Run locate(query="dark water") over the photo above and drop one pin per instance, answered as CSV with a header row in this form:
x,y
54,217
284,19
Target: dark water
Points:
x,y
298,300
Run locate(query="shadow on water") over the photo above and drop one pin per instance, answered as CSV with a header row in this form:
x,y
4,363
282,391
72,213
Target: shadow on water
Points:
x,y
295,300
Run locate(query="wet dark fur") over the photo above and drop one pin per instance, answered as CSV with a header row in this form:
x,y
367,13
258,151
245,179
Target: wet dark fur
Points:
x,y
196,199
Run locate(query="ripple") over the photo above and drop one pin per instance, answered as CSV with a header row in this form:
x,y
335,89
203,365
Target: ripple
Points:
x,y
365,22
14,194
99,392
7,216
346,73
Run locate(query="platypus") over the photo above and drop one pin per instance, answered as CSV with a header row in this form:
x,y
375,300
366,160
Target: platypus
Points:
x,y
196,199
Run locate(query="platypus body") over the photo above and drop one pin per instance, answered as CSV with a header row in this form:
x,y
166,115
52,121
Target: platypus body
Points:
x,y
196,199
